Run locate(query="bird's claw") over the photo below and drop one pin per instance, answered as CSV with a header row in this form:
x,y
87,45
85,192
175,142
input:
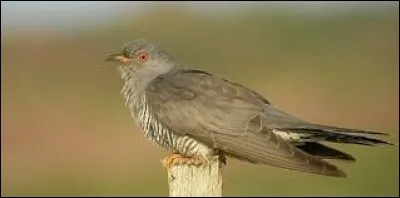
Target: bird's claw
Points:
x,y
177,159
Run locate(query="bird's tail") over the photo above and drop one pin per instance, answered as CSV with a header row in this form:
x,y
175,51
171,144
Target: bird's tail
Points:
x,y
324,152
337,134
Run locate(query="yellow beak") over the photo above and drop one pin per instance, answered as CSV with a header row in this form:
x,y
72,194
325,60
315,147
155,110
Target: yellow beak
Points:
x,y
117,57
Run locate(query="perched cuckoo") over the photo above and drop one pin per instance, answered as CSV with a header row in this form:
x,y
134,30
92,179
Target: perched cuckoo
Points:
x,y
198,116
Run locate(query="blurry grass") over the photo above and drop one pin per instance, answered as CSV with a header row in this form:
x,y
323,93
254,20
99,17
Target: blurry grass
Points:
x,y
66,132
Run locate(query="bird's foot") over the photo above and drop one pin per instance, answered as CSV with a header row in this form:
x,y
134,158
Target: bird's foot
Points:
x,y
178,159
220,156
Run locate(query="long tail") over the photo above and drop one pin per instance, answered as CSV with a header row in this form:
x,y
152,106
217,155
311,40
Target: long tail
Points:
x,y
336,134
323,152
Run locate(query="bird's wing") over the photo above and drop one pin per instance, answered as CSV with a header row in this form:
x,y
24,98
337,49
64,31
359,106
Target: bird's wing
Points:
x,y
228,117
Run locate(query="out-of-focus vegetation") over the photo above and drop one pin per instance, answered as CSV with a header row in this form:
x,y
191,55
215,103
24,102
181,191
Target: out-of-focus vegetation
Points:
x,y
66,132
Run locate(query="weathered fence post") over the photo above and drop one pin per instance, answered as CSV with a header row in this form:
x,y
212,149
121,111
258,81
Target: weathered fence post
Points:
x,y
196,181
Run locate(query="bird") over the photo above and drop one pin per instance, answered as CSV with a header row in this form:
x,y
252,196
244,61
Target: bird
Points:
x,y
201,116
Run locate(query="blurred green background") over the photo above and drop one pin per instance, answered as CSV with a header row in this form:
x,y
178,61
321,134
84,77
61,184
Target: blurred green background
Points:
x,y
65,130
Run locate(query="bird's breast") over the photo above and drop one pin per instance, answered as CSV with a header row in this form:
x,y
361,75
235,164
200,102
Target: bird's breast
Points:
x,y
156,131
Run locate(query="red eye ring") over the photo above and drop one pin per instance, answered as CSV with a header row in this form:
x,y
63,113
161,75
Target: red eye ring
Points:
x,y
143,56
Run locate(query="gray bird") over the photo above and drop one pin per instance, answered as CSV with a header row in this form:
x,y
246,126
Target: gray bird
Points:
x,y
198,116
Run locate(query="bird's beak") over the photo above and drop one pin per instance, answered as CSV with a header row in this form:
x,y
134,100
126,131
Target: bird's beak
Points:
x,y
117,57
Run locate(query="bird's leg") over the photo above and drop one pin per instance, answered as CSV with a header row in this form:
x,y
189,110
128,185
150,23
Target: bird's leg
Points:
x,y
220,156
178,159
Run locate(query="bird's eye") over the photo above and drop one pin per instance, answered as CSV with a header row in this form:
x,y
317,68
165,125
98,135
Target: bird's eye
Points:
x,y
143,56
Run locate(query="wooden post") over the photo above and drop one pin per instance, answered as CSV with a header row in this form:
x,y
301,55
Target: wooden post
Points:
x,y
196,181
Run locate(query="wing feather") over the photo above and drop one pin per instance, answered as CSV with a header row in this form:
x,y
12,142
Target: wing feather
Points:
x,y
227,116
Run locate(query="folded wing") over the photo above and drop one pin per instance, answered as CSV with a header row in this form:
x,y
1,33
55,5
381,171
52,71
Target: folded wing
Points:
x,y
228,117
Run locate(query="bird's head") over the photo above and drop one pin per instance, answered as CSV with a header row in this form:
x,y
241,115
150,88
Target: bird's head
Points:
x,y
143,54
